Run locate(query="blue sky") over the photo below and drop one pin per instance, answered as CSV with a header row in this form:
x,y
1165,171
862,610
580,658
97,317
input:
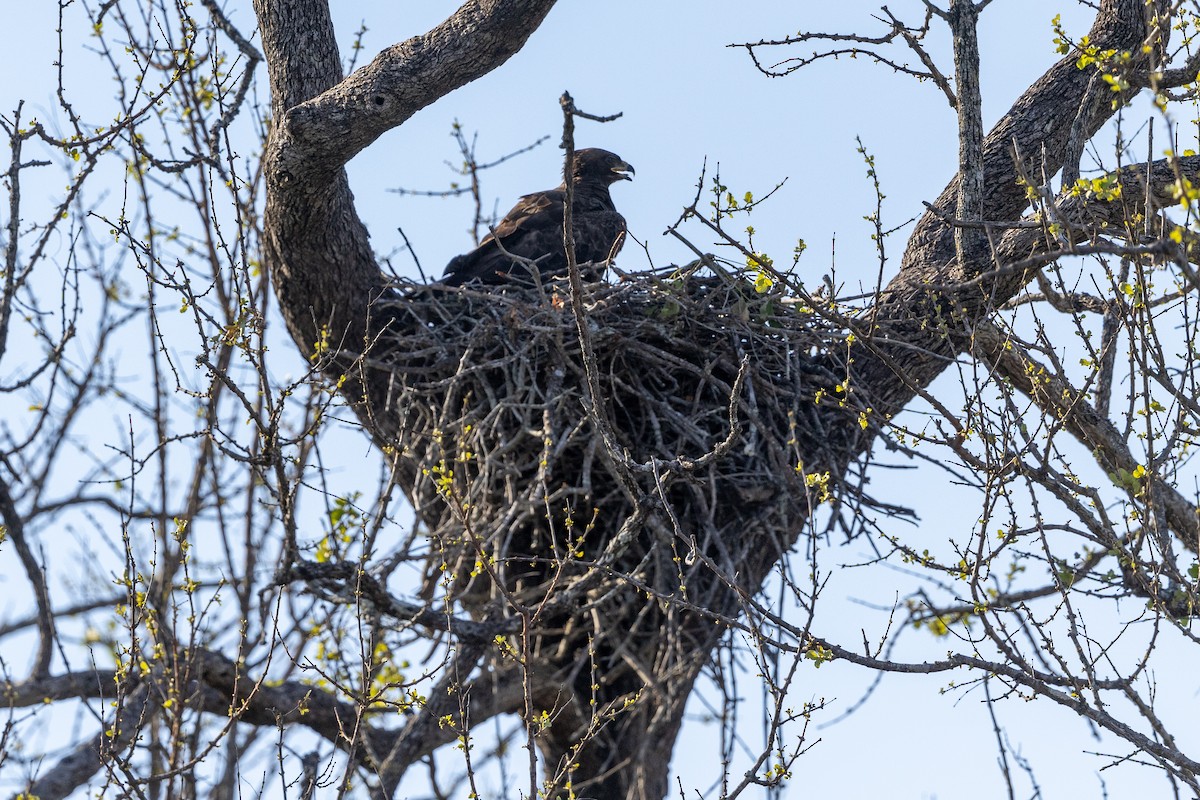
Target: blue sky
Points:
x,y
686,97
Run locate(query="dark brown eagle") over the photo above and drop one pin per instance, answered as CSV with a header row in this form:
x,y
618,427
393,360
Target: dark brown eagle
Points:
x,y
534,227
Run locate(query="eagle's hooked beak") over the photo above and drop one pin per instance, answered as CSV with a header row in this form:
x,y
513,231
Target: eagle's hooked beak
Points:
x,y
623,168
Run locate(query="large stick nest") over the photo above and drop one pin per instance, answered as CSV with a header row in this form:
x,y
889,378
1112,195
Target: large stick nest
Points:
x,y
714,398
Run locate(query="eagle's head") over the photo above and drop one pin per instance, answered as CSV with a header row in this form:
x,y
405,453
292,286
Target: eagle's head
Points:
x,y
594,164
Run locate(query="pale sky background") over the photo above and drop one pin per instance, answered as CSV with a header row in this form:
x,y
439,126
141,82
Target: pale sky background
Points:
x,y
685,97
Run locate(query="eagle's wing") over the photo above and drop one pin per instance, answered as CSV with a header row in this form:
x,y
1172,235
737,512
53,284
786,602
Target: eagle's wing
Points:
x,y
540,210
533,223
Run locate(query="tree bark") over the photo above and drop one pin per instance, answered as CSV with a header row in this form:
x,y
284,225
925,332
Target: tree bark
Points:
x,y
913,324
315,246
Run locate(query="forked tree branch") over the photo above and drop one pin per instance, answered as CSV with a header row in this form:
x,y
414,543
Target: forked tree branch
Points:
x,y
327,120
1042,121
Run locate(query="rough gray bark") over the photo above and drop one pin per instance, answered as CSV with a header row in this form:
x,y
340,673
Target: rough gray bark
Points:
x,y
316,247
327,280
1039,126
964,17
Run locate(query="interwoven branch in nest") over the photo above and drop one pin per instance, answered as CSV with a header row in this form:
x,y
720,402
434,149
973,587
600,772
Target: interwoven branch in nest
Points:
x,y
623,518
712,390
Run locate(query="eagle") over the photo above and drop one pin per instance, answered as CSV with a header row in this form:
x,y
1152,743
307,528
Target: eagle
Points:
x,y
534,227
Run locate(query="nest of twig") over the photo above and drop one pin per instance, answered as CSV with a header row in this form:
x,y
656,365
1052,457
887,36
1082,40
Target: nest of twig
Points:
x,y
697,465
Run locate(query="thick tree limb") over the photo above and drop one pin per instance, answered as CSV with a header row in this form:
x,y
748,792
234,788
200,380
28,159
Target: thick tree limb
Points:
x,y
315,245
1059,400
1040,123
346,582
1023,251
223,688
37,691
1143,189
325,121
963,17
15,528
77,767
